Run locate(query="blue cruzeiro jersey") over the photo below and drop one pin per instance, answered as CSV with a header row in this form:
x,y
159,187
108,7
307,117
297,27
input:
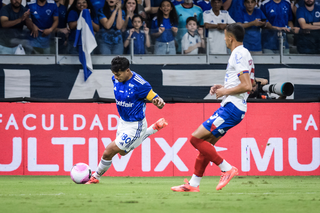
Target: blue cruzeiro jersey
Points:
x,y
130,97
42,16
309,16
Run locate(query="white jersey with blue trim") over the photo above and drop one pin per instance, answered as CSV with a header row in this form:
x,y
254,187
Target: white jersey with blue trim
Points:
x,y
240,62
130,97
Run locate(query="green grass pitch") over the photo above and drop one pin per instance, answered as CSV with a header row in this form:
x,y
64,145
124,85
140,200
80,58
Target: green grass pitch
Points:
x,y
31,194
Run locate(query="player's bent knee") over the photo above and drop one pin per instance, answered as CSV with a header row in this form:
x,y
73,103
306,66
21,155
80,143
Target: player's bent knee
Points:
x,y
123,153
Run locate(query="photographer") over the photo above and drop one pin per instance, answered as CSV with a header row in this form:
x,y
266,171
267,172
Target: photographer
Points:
x,y
258,93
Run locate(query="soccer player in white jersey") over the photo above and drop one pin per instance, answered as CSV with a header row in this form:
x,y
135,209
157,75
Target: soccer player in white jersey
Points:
x,y
237,85
130,91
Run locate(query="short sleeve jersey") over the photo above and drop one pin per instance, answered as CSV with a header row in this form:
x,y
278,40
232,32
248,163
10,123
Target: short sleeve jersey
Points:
x,y
252,37
167,35
138,42
240,62
278,14
309,16
189,40
8,12
62,16
216,37
42,16
205,5
130,97
235,7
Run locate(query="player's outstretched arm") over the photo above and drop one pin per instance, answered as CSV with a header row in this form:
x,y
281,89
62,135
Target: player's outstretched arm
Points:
x,y
158,102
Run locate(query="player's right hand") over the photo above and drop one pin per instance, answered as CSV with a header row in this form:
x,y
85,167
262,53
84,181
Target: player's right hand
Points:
x,y
214,88
158,102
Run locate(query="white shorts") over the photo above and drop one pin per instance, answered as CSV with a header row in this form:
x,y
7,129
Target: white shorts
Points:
x,y
129,134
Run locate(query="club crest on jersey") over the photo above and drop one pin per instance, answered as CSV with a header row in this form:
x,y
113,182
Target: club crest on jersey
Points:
x,y
48,12
250,62
131,85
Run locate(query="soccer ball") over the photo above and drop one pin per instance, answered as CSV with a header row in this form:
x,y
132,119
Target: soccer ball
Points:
x,y
80,173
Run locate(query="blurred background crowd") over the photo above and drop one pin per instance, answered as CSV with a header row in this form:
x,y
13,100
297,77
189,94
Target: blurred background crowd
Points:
x,y
162,27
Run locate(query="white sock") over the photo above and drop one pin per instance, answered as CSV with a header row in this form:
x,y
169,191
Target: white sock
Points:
x,y
103,166
149,132
195,180
225,166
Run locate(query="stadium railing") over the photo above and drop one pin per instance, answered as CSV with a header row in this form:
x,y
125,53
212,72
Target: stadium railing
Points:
x,y
56,56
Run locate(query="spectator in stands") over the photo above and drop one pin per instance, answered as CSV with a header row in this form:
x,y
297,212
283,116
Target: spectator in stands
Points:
x,y
143,11
216,20
164,27
309,20
111,18
141,37
62,30
279,14
98,4
233,7
6,2
204,4
130,8
177,2
193,39
155,4
252,19
13,17
45,16
184,11
72,18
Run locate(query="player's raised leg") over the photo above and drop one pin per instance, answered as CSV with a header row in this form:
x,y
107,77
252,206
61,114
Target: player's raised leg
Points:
x,y
155,127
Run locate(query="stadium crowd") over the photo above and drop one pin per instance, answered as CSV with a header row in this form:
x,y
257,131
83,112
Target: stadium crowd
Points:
x,y
160,26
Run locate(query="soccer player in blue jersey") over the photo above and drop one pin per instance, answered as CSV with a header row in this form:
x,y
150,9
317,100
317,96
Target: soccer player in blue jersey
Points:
x,y
237,85
130,91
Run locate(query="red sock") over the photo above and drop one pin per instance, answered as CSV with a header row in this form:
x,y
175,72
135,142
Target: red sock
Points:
x,y
207,149
200,165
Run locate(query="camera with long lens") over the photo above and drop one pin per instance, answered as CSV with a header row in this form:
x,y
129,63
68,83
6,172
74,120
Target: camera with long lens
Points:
x,y
262,92
282,89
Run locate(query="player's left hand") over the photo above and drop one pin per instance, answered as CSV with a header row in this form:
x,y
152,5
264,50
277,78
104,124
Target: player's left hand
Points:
x,y
158,102
220,92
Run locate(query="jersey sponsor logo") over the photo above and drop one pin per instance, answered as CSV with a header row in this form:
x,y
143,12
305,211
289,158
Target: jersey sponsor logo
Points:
x,y
124,104
250,62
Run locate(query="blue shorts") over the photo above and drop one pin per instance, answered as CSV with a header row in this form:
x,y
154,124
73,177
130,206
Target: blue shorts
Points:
x,y
223,119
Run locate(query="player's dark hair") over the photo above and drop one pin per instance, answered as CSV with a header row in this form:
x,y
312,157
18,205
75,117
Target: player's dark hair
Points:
x,y
248,1
172,15
191,18
237,31
119,64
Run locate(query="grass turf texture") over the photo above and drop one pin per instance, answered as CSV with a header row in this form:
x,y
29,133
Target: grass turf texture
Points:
x,y
152,194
